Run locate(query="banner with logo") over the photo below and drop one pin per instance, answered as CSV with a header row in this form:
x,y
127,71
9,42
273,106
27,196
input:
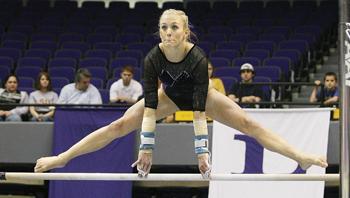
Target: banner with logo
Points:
x,y
236,153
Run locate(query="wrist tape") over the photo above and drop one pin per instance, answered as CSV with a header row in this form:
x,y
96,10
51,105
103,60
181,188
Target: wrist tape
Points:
x,y
201,143
147,141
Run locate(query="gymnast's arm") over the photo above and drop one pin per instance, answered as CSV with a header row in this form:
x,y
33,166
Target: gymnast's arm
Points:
x,y
147,136
200,93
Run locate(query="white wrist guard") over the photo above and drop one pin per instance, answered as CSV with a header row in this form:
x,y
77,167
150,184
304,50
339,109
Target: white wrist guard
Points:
x,y
147,133
147,141
201,143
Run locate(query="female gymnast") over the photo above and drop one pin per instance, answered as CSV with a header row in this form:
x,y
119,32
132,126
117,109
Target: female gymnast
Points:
x,y
183,69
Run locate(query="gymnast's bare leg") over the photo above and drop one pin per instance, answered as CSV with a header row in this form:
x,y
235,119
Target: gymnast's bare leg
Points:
x,y
222,109
98,139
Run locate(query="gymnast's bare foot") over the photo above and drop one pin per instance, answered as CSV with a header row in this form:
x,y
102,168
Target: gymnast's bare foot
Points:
x,y
47,163
308,160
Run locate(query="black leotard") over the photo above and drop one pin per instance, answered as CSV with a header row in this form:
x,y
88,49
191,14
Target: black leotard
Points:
x,y
185,82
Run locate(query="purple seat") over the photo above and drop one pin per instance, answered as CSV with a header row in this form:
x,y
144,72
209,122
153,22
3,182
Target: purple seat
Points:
x,y
40,53
237,62
293,55
14,44
47,45
309,38
275,37
97,82
112,47
225,7
98,37
283,30
238,22
173,5
133,29
230,45
4,71
128,38
244,38
152,39
121,62
93,62
220,62
76,45
59,82
257,53
225,53
281,62
266,88
79,29
15,36
130,53
262,45
107,29
31,62
25,82
24,29
272,72
198,6
227,72
62,62
146,6
228,82
144,47
110,82
104,95
50,29
68,53
98,72
309,29
99,53
70,37
11,53
66,72
206,46
31,72
137,73
249,30
299,45
214,37
6,62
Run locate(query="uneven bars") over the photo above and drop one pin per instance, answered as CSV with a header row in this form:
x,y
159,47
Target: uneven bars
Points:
x,y
167,177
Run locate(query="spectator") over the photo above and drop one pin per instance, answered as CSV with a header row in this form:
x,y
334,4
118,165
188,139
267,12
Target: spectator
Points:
x,y
126,89
216,82
10,95
42,95
244,91
329,93
81,91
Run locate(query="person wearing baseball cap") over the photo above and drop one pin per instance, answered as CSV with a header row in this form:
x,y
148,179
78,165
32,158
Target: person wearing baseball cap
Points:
x,y
244,91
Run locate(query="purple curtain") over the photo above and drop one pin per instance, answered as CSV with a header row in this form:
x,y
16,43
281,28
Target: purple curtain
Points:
x,y
73,124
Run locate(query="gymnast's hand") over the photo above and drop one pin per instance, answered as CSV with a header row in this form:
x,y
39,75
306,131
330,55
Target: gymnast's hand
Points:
x,y
143,163
47,163
204,165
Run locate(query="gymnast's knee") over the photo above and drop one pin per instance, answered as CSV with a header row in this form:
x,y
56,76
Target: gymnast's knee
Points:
x,y
116,128
249,126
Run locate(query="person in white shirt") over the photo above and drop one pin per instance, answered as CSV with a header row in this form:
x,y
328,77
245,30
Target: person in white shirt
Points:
x,y
80,92
126,89
9,94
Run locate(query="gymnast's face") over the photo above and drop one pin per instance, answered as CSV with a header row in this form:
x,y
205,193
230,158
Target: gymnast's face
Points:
x,y
210,70
172,30
11,84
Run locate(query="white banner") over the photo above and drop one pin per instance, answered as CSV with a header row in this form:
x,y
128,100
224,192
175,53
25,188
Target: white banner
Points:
x,y
233,152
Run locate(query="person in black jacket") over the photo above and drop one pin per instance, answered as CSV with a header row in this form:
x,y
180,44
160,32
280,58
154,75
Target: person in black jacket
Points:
x,y
182,68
